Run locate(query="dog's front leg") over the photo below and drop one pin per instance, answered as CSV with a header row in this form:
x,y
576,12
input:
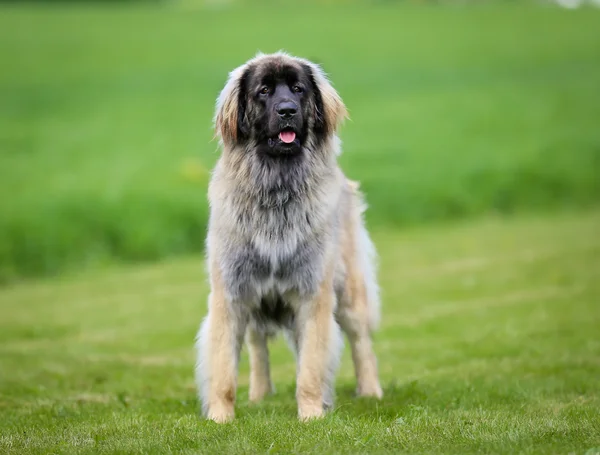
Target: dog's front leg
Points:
x,y
319,343
219,343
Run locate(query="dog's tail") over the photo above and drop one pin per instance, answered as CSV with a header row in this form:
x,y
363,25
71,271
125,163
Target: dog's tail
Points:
x,y
367,256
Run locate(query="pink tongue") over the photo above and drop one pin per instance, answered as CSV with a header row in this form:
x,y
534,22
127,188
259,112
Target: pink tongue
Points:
x,y
287,136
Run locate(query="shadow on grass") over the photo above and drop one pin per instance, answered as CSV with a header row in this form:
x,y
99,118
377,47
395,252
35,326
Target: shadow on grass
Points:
x,y
396,397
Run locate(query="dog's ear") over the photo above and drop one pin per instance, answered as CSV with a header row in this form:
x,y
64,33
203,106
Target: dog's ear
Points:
x,y
231,123
330,110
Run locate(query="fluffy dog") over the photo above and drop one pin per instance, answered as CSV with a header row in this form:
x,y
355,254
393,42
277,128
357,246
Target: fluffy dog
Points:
x,y
287,246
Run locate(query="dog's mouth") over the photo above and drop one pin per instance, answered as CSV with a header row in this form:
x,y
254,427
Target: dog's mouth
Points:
x,y
287,136
286,141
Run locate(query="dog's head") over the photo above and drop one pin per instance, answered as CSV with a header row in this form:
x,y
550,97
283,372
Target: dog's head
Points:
x,y
278,103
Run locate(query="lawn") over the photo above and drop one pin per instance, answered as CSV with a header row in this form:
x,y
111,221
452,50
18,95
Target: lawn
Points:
x,y
105,115
489,344
474,132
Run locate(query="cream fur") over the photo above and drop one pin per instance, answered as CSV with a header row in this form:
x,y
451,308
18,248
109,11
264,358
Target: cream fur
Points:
x,y
303,252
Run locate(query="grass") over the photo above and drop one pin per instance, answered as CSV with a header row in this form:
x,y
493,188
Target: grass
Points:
x,y
105,141
489,344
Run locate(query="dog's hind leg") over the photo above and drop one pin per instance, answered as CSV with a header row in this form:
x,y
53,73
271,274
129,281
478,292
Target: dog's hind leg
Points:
x,y
356,327
358,307
260,375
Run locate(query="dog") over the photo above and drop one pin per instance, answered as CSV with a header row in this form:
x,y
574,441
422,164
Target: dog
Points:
x,y
287,248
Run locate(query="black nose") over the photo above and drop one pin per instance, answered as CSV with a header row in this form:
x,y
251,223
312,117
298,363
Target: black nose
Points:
x,y
287,109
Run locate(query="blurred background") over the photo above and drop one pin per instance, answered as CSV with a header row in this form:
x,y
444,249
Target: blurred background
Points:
x,y
458,109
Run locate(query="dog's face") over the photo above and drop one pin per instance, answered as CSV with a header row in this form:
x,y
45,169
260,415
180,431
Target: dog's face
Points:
x,y
278,104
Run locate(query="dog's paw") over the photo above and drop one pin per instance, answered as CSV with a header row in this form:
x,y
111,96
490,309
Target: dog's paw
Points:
x,y
257,393
306,413
370,390
221,414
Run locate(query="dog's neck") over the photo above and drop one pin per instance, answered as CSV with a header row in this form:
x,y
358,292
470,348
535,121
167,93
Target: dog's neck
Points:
x,y
274,207
275,182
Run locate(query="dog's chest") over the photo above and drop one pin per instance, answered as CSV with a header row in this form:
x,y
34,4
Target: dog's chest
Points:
x,y
280,252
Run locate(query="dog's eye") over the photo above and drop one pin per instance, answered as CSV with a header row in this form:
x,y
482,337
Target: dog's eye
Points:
x,y
297,89
264,90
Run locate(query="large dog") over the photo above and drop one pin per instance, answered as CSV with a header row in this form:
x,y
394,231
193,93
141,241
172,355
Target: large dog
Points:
x,y
287,247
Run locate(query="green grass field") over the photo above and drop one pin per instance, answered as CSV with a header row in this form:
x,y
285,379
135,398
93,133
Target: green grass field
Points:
x,y
105,115
475,133
489,344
